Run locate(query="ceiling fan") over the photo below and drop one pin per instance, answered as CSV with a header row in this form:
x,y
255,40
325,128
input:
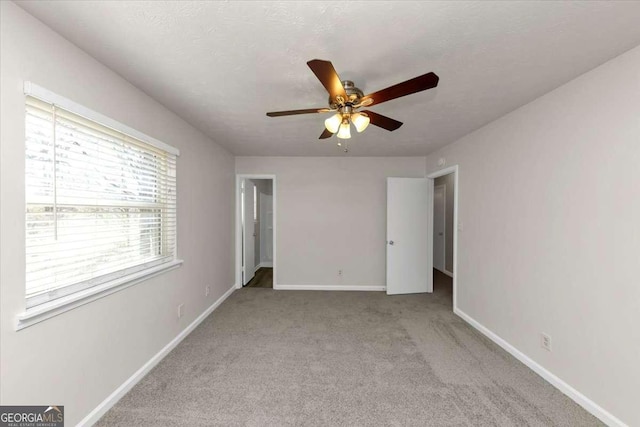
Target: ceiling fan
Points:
x,y
346,100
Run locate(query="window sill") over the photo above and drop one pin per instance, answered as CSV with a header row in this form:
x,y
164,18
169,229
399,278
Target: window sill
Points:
x,y
48,310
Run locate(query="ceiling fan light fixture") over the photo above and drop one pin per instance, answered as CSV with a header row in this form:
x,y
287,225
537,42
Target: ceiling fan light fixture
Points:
x,y
360,121
333,123
345,130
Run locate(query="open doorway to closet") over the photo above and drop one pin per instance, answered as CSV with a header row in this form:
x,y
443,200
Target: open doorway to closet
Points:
x,y
445,230
255,238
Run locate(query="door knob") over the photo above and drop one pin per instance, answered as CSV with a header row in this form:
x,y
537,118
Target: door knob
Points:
x,y
391,242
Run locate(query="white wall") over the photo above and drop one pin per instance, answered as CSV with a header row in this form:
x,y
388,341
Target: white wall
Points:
x,y
331,215
550,205
78,358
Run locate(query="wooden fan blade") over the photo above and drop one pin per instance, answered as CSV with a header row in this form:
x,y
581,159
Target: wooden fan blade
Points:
x,y
417,84
294,112
325,134
327,75
383,121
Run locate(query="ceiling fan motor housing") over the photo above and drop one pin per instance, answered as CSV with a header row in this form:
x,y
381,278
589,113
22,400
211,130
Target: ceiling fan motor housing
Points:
x,y
354,96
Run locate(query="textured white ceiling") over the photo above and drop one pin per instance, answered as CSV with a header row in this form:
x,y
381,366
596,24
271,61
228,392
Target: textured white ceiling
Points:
x,y
222,65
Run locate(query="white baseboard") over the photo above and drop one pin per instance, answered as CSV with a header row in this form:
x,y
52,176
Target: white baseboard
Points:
x,y
108,403
582,400
263,264
328,288
444,271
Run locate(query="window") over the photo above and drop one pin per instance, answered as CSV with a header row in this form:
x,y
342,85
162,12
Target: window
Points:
x,y
100,203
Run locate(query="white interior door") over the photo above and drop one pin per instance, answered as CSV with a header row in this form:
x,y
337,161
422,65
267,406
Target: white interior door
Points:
x,y
257,253
409,235
439,226
248,231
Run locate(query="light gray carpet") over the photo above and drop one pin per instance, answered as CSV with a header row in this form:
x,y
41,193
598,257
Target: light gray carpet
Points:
x,y
270,358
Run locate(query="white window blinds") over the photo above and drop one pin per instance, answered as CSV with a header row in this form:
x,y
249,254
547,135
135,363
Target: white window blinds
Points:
x,y
100,204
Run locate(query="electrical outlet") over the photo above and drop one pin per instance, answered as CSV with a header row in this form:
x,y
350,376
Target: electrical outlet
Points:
x,y
207,289
180,310
545,341
339,272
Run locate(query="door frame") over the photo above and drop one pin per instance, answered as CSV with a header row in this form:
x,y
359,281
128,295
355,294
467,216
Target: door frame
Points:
x,y
444,220
456,196
238,225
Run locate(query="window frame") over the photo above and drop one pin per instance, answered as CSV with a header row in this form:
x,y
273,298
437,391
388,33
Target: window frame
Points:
x,y
120,279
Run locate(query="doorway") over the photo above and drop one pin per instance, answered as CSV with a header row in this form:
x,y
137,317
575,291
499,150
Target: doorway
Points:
x,y
439,225
445,232
255,231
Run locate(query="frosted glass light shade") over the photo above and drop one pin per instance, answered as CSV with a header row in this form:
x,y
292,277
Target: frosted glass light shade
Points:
x,y
360,121
345,131
333,123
